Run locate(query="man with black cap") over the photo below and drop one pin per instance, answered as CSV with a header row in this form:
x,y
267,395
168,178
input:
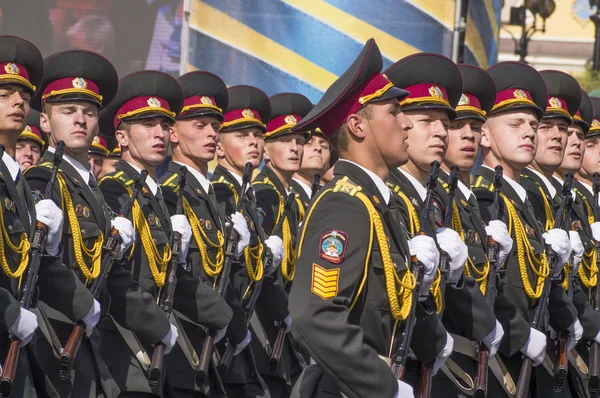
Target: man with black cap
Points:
x,y
241,141
510,139
97,153
30,144
464,138
283,153
194,141
352,279
315,163
435,86
70,100
21,70
143,113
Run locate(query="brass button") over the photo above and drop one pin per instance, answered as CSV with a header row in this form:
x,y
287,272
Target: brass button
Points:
x,y
83,231
10,228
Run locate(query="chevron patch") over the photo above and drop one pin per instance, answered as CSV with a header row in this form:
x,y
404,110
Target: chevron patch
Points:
x,y
325,281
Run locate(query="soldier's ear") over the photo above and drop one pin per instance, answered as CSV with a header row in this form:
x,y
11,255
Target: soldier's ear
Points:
x,y
266,156
220,150
355,124
45,122
122,136
174,134
485,136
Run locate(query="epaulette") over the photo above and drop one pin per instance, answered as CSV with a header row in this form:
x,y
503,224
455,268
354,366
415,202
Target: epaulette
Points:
x,y
171,183
119,176
482,182
229,185
444,185
346,185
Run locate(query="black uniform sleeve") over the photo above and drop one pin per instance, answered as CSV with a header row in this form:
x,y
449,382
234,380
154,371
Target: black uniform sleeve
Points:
x,y
590,319
469,309
9,310
322,326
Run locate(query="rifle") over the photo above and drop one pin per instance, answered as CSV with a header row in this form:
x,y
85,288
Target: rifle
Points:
x,y
167,292
427,368
492,286
250,303
27,292
280,339
562,362
401,351
594,381
232,238
316,185
67,356
542,303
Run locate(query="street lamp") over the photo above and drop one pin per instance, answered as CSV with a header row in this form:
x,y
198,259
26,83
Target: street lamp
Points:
x,y
518,16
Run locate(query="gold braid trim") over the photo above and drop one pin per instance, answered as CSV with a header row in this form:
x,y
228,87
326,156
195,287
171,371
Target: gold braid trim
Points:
x,y
588,262
80,250
524,249
547,210
212,269
301,210
288,264
22,249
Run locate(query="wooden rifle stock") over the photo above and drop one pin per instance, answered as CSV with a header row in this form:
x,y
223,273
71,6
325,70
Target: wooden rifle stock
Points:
x,y
27,291
426,378
232,238
167,292
69,352
490,294
542,303
594,369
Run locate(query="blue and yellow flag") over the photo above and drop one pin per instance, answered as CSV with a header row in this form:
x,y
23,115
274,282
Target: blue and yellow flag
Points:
x,y
304,45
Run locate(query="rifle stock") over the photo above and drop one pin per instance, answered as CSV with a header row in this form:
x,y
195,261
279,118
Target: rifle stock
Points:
x,y
69,352
27,291
209,341
490,294
167,292
541,305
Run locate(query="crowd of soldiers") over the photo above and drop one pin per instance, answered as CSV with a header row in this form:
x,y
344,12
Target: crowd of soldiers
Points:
x,y
344,249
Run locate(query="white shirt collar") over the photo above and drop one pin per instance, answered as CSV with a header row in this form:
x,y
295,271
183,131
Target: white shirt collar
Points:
x,y
306,188
546,181
12,165
421,190
204,182
515,185
150,182
466,191
383,189
81,169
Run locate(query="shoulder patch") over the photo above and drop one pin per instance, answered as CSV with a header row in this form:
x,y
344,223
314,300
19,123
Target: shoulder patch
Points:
x,y
261,215
324,281
333,245
37,195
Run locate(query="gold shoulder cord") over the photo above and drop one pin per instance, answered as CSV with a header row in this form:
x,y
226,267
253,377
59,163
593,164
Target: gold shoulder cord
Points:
x,y
588,261
524,249
140,224
252,254
22,250
405,285
301,210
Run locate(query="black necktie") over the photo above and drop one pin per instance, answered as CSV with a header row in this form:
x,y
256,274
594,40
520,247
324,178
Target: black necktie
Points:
x,y
473,203
94,188
212,197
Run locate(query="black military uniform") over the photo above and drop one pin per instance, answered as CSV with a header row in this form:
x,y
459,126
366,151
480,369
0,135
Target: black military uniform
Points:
x,y
125,347
344,314
78,76
519,87
204,95
243,378
23,65
436,83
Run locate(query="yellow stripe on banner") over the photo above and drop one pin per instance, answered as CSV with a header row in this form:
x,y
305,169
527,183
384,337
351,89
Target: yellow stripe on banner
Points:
x,y
444,14
391,47
492,16
225,29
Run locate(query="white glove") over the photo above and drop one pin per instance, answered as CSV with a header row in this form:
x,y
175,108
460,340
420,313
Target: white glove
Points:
x,y
596,230
423,247
241,227
441,358
559,241
577,249
49,214
240,347
275,244
288,323
535,348
404,390
170,339
180,223
220,334
597,338
24,326
492,340
497,230
126,232
450,242
575,333
92,318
